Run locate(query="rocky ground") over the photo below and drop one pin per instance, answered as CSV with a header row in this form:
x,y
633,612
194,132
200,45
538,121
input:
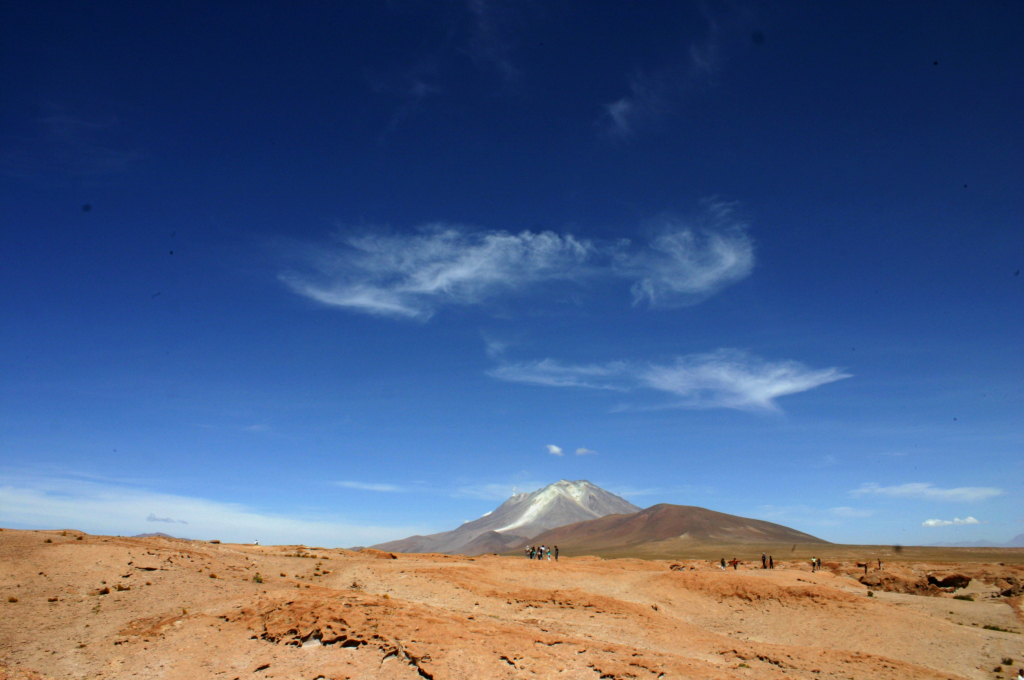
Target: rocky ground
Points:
x,y
77,606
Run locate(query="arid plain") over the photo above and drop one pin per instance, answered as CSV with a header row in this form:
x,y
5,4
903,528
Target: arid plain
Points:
x,y
81,606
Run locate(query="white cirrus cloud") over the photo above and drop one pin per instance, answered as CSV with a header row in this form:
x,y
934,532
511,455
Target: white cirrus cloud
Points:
x,y
583,451
412,275
554,450
363,486
727,378
956,521
927,491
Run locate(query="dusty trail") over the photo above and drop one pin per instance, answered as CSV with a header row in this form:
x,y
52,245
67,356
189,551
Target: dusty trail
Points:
x,y
93,606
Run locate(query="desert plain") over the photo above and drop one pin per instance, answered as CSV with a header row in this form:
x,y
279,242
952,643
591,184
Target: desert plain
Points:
x,y
84,606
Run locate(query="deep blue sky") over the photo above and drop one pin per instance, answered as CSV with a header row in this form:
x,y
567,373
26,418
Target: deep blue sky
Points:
x,y
336,273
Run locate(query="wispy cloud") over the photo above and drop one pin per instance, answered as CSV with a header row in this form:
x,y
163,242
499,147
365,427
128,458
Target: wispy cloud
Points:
x,y
67,146
684,266
727,378
362,486
956,521
850,512
645,102
927,491
653,95
496,492
554,450
412,275
56,503
490,40
153,518
409,275
585,452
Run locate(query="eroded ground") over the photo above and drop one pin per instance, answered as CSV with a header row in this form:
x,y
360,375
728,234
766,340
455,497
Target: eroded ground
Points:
x,y
93,606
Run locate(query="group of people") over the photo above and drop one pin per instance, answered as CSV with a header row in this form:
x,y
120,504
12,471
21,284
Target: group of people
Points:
x,y
538,552
767,562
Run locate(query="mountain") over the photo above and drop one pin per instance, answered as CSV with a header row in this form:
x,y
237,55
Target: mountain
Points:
x,y
1015,542
679,524
518,519
155,534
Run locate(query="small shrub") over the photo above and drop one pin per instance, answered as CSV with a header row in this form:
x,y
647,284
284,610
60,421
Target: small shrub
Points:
x,y
965,598
1001,630
63,533
49,540
12,598
257,578
1007,662
871,593
78,538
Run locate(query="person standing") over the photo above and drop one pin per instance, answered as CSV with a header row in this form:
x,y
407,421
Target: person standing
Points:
x,y
764,561
771,562
556,553
723,564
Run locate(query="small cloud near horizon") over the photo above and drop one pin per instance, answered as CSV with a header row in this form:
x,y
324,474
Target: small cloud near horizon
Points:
x,y
582,451
153,518
928,491
554,450
956,521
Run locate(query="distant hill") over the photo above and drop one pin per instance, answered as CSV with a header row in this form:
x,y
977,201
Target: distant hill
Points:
x,y
1015,542
518,519
157,534
680,523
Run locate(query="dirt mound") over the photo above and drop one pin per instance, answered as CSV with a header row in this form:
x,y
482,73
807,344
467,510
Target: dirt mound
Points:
x,y
954,581
894,583
379,554
722,586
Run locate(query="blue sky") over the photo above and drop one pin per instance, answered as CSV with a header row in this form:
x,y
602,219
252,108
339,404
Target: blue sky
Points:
x,y
340,273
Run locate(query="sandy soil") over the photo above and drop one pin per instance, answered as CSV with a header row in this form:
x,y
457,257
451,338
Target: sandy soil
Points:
x,y
95,606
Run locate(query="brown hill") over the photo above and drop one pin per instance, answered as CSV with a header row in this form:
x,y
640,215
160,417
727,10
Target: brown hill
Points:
x,y
685,523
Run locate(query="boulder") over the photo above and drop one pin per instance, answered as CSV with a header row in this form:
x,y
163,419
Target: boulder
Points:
x,y
955,581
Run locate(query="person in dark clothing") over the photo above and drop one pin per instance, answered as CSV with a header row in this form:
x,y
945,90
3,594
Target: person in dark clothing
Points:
x,y
771,562
764,561
533,552
723,564
556,553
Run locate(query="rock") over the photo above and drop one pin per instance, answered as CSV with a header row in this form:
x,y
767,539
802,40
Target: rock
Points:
x,y
955,581
1009,586
379,554
898,584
